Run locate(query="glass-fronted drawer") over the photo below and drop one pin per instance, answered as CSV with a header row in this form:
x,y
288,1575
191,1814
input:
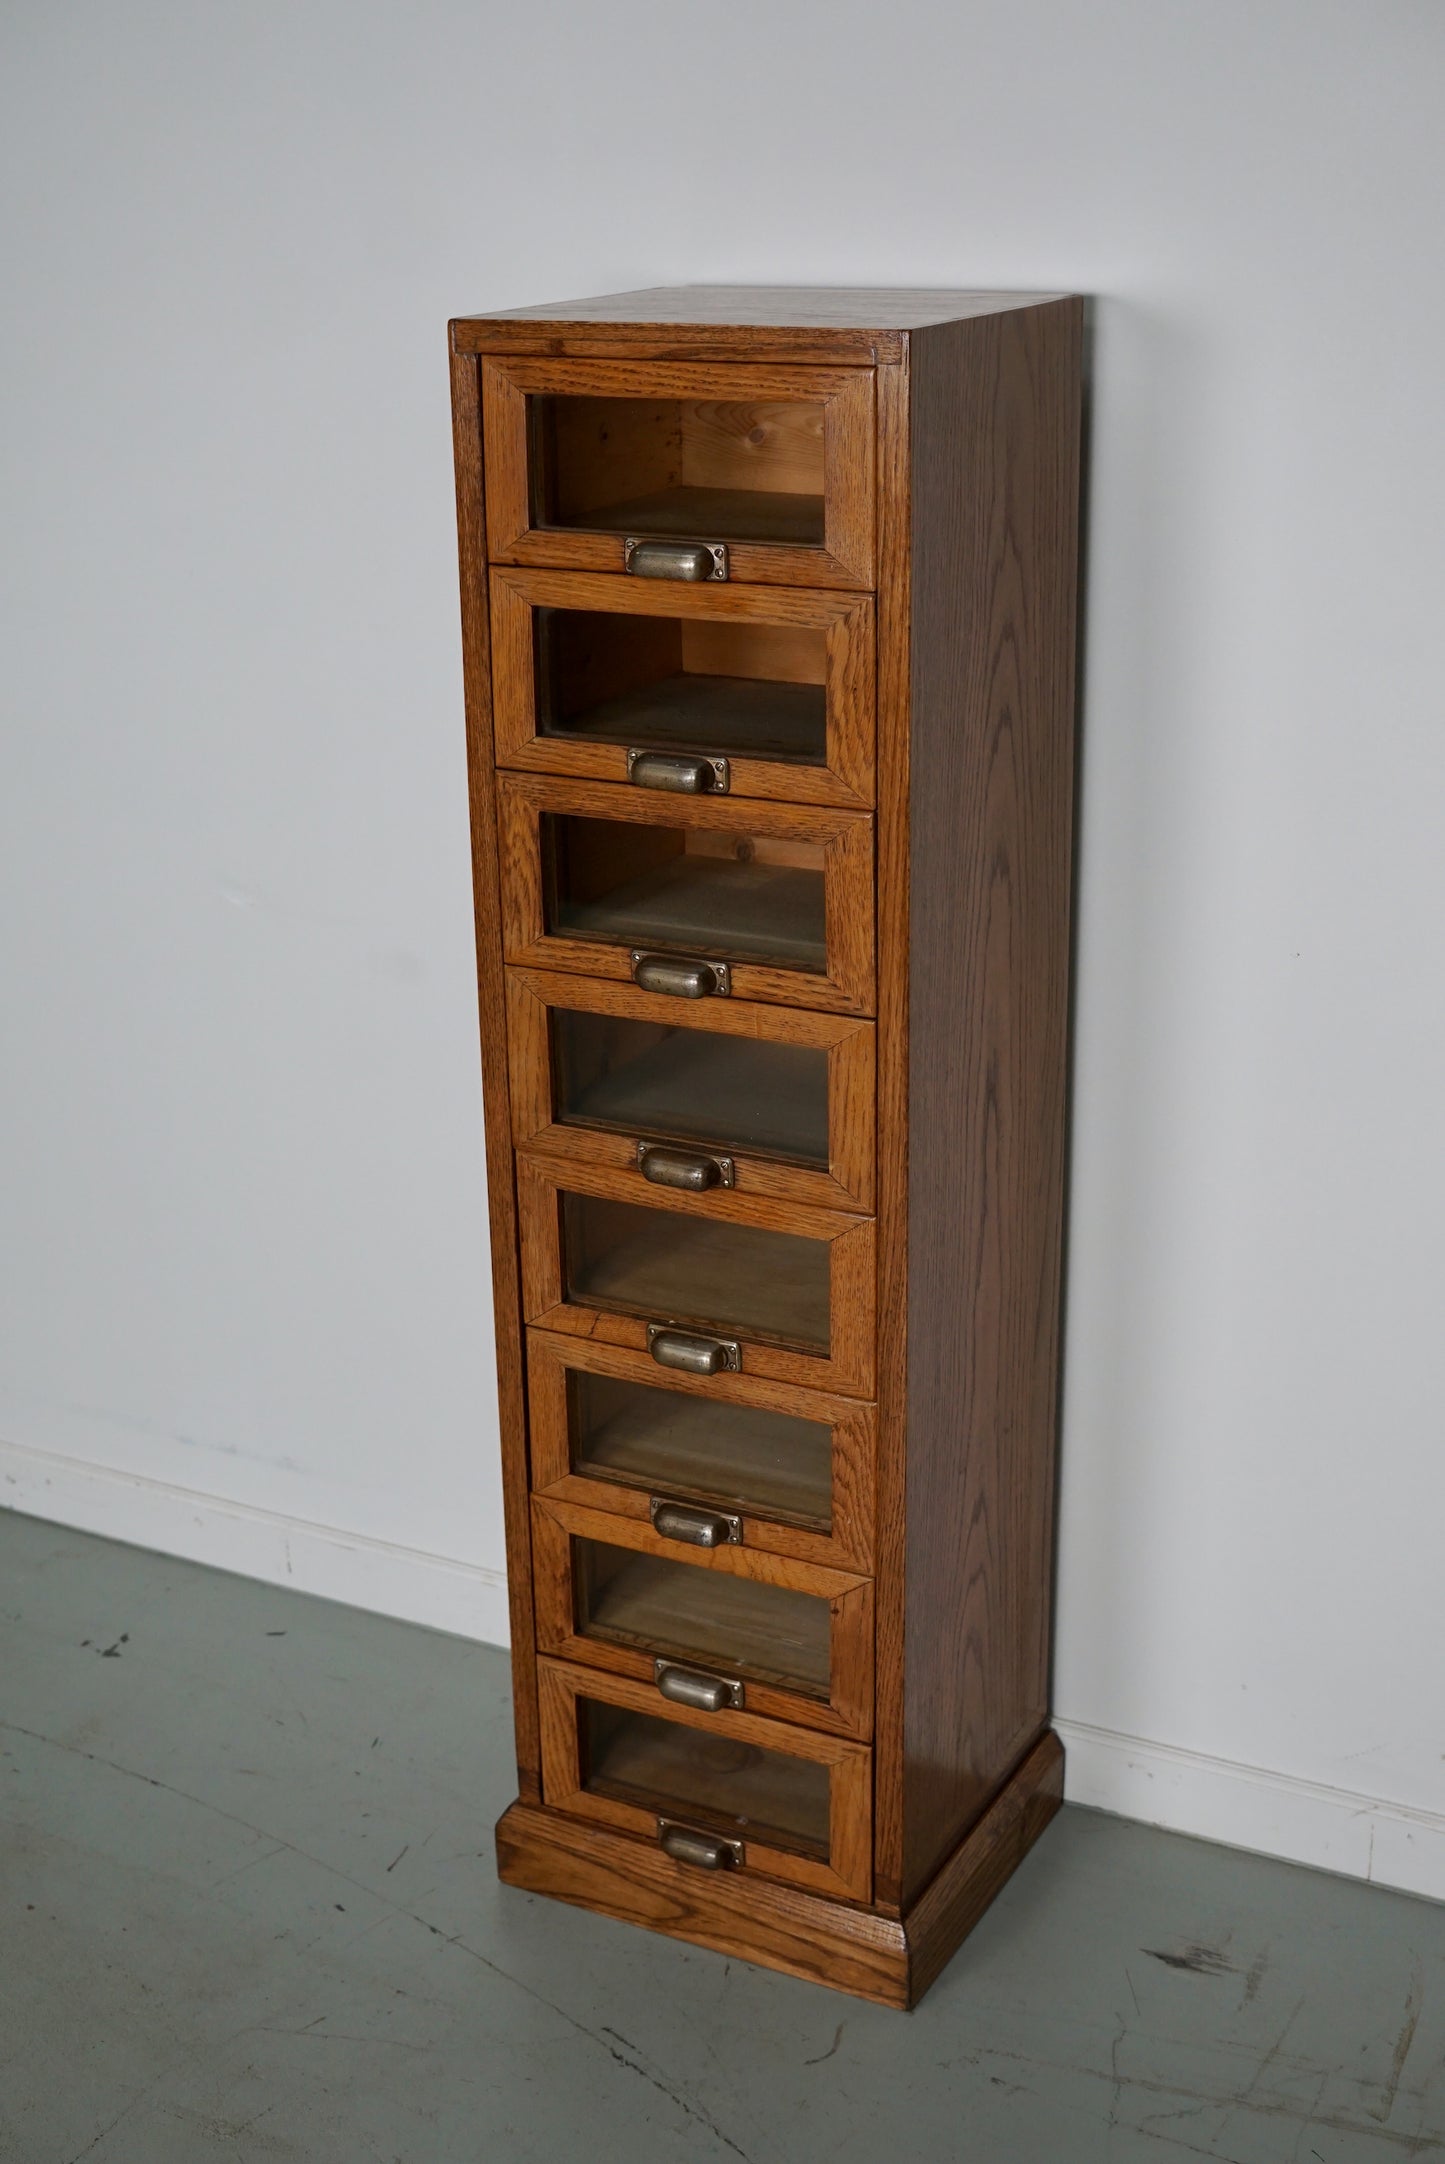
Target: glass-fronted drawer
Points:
x,y
695,898
704,1625
790,1470
731,690
787,1802
769,471
693,1094
709,1283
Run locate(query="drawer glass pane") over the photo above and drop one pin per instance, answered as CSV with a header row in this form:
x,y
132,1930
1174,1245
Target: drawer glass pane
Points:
x,y
745,690
673,1443
669,1266
730,897
738,1789
709,469
739,1626
691,1085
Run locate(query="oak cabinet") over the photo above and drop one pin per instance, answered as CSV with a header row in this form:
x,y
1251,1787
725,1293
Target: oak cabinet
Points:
x,y
768,608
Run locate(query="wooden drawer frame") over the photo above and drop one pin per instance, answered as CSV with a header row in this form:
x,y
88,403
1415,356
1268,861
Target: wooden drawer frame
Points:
x,y
846,838
848,1708
848,1181
849,1545
848,1367
848,1871
846,621
846,394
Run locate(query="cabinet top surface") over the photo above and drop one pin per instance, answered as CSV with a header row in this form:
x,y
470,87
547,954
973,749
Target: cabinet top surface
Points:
x,y
854,313
862,308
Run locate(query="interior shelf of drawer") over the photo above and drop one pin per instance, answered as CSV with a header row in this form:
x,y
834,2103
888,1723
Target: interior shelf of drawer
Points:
x,y
748,911
722,514
739,717
659,1765
650,1437
728,470
769,1285
693,1086
743,1626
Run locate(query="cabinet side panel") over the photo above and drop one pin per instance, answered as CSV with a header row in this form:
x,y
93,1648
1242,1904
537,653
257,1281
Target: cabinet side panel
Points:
x,y
995,448
501,1190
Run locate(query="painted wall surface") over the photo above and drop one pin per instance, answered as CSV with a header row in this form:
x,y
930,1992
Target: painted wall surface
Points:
x,y
243,1277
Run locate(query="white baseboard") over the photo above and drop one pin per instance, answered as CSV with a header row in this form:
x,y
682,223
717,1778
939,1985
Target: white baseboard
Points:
x,y
438,1590
1331,1829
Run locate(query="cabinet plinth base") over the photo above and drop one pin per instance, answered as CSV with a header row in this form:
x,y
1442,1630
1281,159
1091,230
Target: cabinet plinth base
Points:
x,y
858,1950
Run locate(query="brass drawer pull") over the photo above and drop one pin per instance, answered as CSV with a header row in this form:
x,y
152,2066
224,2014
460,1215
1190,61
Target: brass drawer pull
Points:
x,y
678,1168
681,772
705,1851
693,1526
692,1687
690,560
682,980
694,1355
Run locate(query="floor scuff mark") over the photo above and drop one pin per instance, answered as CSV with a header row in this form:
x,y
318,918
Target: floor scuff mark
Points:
x,y
1414,2000
837,2040
1198,1960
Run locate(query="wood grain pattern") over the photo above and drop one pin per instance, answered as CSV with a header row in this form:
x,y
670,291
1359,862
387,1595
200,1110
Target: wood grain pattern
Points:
x,y
777,348
848,1709
846,1367
849,1948
765,444
844,620
995,443
895,618
849,1542
845,838
507,444
826,325
501,1193
714,647
979,1869
744,312
581,443
844,559
849,510
847,1870
532,996
735,1914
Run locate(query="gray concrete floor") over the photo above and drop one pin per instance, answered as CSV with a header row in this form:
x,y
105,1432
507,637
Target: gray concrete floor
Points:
x,y
248,1911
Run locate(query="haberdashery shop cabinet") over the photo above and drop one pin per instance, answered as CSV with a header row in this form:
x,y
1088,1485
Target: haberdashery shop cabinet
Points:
x,y
768,609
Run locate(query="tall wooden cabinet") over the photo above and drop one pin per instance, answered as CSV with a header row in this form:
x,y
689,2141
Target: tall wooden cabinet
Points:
x,y
768,605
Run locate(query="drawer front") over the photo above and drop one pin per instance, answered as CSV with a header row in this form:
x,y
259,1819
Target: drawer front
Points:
x,y
792,1468
788,1803
693,1093
784,1639
714,1282
774,466
760,692
721,898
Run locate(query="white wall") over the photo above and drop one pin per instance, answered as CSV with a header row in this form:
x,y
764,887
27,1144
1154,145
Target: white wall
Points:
x,y
244,1297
